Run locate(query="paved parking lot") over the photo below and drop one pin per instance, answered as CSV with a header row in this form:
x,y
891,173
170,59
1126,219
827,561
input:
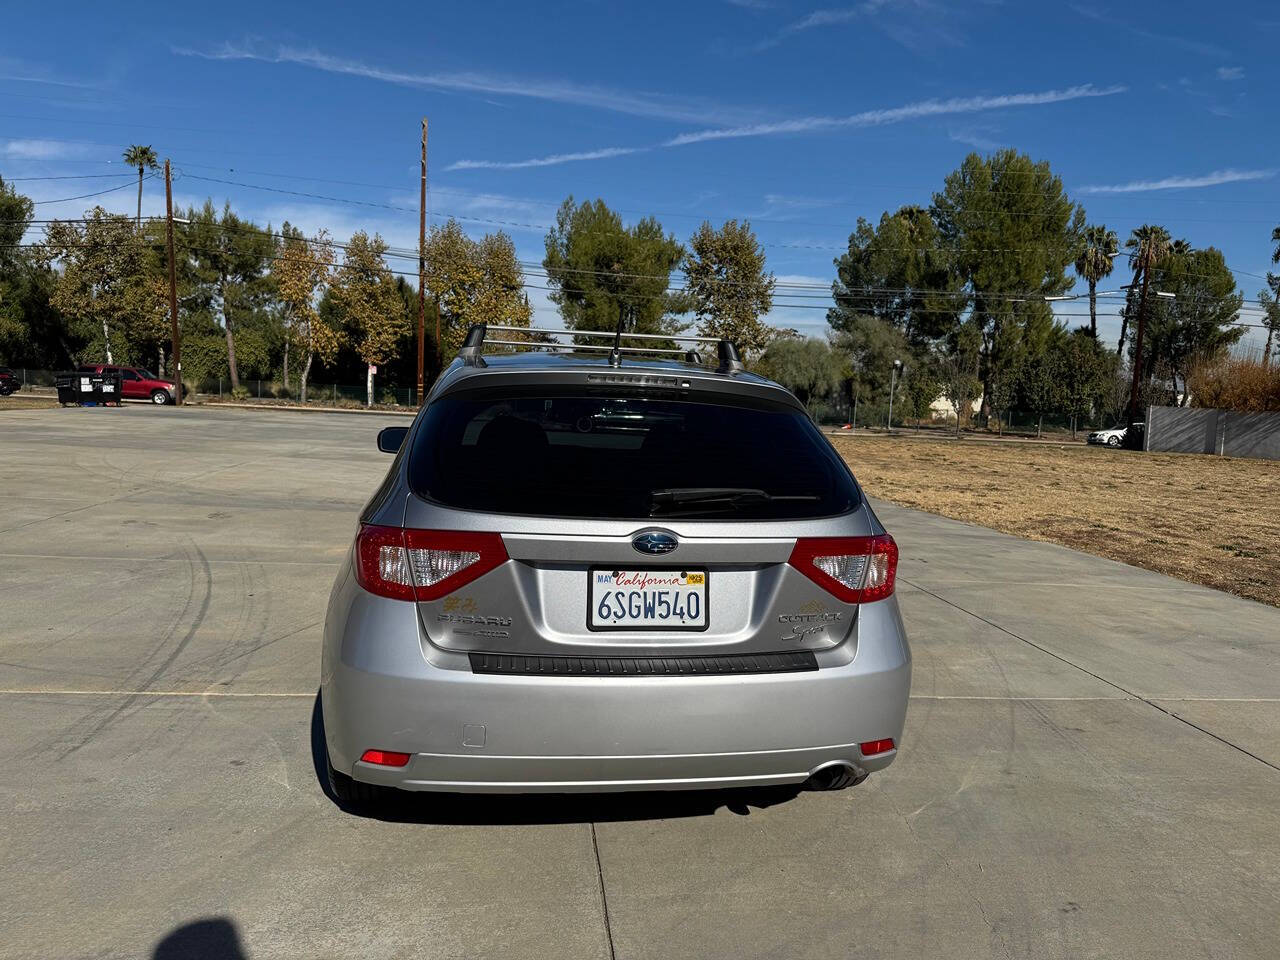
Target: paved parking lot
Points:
x,y
1091,766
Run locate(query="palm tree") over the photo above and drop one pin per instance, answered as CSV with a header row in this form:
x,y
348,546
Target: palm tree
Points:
x,y
1150,244
144,158
1095,262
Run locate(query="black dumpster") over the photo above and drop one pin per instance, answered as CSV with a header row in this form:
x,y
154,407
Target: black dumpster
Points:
x,y
90,389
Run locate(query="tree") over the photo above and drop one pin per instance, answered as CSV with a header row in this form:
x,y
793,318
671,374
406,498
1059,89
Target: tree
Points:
x,y
1011,233
231,257
808,368
1042,380
301,275
364,291
1094,262
1271,315
1086,373
103,286
602,272
725,277
144,158
899,273
1198,323
1149,244
473,282
957,366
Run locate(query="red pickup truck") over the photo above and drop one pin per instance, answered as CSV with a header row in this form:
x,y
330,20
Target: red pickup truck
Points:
x,y
137,383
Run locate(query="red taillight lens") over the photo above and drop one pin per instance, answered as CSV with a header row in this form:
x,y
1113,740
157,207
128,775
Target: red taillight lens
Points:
x,y
385,758
854,569
872,747
423,564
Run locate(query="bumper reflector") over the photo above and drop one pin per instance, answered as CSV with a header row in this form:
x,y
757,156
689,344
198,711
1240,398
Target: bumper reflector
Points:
x,y
385,758
872,747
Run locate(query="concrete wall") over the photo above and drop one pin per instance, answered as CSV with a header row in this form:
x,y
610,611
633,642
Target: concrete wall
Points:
x,y
1225,432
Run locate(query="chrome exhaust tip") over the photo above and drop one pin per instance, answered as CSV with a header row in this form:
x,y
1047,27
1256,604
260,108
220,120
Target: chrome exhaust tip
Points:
x,y
835,775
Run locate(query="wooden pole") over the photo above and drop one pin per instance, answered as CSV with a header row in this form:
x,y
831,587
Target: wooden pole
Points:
x,y
174,333
422,269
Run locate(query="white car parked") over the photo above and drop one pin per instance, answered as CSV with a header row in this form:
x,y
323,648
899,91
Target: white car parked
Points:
x,y
1113,437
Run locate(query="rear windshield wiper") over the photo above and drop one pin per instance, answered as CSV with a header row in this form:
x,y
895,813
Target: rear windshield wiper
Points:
x,y
698,499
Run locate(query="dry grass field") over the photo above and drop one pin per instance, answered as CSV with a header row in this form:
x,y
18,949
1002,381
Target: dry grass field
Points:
x,y
1209,520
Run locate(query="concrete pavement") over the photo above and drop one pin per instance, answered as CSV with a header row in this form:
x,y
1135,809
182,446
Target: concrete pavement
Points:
x,y
1091,766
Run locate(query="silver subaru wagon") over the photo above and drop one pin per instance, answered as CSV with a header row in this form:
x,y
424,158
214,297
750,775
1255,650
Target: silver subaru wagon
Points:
x,y
591,572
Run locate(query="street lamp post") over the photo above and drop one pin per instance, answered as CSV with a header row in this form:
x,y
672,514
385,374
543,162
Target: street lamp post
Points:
x,y
893,386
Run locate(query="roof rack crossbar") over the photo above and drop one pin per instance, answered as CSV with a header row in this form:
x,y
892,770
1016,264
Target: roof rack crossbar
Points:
x,y
478,335
678,338
570,347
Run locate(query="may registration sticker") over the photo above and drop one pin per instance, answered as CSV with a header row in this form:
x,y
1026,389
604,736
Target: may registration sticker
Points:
x,y
647,599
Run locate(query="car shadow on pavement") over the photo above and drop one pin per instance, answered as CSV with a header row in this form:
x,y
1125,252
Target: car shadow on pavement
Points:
x,y
544,808
210,938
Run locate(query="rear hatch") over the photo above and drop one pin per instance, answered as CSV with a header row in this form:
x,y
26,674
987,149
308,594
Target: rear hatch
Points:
x,y
590,520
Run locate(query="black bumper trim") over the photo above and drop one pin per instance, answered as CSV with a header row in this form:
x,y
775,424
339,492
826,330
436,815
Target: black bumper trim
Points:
x,y
788,661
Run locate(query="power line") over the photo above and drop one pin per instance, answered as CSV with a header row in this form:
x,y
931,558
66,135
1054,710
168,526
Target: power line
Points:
x,y
73,176
85,196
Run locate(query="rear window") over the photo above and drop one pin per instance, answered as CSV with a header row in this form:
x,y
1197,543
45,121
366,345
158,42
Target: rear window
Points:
x,y
577,454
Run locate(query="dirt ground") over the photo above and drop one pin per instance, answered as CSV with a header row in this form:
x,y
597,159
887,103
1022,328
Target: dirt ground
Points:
x,y
1209,520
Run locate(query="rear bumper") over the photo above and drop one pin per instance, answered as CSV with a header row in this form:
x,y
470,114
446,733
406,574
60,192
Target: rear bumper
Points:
x,y
472,732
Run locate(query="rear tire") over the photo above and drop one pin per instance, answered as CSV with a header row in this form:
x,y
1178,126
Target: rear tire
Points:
x,y
1113,441
352,794
159,397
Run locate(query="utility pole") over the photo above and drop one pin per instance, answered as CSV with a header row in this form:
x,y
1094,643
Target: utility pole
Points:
x,y
175,335
422,270
1137,346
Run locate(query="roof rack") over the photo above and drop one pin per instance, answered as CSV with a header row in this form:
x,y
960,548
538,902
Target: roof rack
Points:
x,y
472,352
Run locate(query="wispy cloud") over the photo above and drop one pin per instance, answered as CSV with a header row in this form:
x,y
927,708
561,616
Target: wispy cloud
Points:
x,y
1231,73
1181,182
972,137
821,18
653,105
21,71
40,149
910,111
868,118
1189,44
553,160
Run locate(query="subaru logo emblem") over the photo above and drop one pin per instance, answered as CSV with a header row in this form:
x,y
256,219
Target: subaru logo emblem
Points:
x,y
655,542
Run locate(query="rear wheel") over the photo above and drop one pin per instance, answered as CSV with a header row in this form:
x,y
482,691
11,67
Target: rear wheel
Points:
x,y
159,397
1113,441
354,794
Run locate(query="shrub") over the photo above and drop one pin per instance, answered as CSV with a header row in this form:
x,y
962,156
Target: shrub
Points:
x,y
1235,383
240,393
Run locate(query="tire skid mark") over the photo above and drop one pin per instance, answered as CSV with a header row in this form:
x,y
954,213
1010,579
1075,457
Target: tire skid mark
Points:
x,y
97,727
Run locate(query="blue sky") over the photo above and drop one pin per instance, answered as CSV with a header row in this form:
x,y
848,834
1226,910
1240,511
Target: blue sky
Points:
x,y
796,116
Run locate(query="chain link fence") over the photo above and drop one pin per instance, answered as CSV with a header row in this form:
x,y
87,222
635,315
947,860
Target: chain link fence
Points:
x,y
318,394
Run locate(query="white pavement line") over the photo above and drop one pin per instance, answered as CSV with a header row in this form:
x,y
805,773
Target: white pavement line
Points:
x,y
1153,702
38,692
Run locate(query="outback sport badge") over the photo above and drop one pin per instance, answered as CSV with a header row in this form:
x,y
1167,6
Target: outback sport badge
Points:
x,y
655,543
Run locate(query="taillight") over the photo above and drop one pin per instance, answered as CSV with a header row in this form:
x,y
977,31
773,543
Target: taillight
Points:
x,y
386,758
423,564
854,569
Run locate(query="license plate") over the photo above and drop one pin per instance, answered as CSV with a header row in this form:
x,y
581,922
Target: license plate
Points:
x,y
647,599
